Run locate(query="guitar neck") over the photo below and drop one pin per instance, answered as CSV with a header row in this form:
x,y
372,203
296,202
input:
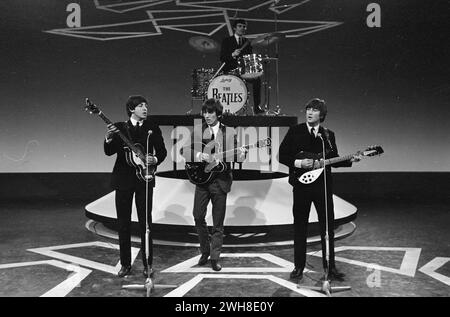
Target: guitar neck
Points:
x,y
121,135
338,159
232,151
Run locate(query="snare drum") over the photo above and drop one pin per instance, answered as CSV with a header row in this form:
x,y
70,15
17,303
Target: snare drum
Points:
x,y
200,81
230,91
250,66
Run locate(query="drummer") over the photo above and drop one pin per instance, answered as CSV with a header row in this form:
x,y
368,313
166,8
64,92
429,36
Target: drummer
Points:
x,y
233,48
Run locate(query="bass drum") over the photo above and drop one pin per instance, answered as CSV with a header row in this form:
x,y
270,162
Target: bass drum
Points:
x,y
230,91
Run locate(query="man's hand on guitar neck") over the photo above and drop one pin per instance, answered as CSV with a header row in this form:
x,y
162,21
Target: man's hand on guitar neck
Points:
x,y
111,130
242,151
308,164
206,157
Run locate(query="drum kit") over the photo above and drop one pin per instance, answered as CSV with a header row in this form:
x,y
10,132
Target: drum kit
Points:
x,y
230,88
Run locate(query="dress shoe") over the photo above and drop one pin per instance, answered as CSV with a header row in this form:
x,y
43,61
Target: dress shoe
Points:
x,y
335,275
145,272
203,259
124,271
215,266
297,273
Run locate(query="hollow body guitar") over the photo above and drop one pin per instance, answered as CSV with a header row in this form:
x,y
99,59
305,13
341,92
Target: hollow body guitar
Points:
x,y
200,173
134,152
309,176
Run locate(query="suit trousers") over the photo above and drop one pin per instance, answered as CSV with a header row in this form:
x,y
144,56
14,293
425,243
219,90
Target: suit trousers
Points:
x,y
124,200
303,197
203,194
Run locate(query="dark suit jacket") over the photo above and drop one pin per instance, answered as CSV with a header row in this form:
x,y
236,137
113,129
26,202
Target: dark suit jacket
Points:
x,y
229,44
298,139
124,175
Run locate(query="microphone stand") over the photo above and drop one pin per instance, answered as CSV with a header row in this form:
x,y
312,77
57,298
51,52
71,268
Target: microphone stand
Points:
x,y
149,286
326,287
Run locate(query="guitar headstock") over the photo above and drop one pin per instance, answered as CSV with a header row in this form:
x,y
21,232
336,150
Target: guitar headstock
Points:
x,y
91,107
373,150
263,143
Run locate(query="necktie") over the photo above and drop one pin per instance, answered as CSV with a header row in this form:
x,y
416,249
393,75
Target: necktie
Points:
x,y
137,128
212,139
240,42
312,133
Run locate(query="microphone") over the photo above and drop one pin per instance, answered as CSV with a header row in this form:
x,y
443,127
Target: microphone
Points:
x,y
148,137
328,140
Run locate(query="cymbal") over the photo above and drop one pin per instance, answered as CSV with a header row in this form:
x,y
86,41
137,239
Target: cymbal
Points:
x,y
268,39
204,44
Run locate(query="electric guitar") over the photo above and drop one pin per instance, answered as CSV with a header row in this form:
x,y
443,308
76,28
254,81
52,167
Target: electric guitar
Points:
x,y
202,172
311,175
134,153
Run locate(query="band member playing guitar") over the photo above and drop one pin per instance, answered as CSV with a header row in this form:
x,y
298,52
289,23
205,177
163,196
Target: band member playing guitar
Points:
x,y
301,139
132,172
219,185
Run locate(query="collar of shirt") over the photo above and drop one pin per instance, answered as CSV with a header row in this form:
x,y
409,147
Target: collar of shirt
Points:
x,y
215,129
133,122
316,129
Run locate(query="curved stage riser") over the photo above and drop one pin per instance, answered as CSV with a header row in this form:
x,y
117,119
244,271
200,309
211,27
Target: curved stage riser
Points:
x,y
259,209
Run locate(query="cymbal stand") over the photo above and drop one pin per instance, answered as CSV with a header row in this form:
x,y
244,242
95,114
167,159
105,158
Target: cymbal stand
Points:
x,y
277,110
267,86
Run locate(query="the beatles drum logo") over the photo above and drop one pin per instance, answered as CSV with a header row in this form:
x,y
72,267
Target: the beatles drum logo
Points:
x,y
230,91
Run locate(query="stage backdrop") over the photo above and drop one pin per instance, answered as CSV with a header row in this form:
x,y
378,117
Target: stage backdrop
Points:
x,y
384,85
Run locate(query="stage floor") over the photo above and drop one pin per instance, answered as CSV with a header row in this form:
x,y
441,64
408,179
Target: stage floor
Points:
x,y
400,248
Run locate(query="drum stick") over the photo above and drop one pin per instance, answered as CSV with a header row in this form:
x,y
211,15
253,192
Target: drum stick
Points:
x,y
245,45
218,71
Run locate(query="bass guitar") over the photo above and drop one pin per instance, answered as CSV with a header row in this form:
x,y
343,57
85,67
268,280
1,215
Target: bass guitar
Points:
x,y
310,176
134,152
202,172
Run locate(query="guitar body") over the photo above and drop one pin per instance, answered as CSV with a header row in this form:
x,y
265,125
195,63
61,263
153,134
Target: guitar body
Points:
x,y
200,173
308,176
134,159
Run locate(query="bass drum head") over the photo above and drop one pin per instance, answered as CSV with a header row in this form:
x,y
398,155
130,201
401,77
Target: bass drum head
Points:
x,y
230,91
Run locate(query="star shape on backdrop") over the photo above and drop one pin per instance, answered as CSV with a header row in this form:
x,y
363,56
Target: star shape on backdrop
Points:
x,y
204,18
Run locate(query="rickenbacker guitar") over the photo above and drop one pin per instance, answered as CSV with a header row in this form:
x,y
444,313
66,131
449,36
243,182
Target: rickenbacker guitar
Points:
x,y
308,177
202,172
134,153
